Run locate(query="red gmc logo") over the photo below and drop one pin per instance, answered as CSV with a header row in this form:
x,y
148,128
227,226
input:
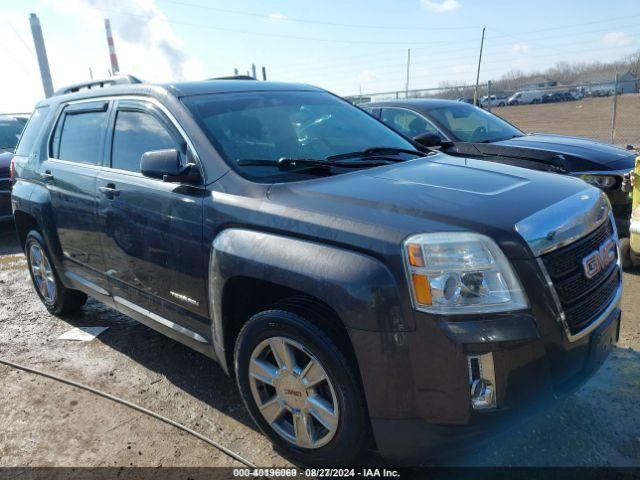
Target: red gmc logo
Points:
x,y
599,259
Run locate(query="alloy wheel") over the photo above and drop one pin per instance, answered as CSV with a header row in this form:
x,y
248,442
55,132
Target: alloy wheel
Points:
x,y
293,392
43,275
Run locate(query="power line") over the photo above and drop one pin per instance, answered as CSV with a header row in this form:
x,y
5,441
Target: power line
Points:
x,y
22,40
275,35
428,59
396,53
314,22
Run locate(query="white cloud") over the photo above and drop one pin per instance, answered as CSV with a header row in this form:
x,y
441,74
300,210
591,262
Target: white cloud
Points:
x,y
145,42
519,48
366,76
441,6
617,39
277,16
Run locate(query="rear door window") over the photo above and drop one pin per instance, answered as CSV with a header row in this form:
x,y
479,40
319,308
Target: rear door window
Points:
x,y
79,133
135,133
31,132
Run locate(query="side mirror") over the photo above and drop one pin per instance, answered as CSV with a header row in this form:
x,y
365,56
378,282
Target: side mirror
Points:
x,y
167,165
428,140
158,163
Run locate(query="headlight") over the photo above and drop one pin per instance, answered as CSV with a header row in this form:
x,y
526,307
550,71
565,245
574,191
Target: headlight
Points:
x,y
460,273
600,181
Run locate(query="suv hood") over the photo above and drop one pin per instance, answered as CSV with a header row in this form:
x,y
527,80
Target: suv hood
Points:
x,y
575,154
439,193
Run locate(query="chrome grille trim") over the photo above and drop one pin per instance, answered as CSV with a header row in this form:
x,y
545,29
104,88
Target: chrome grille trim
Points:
x,y
564,222
561,317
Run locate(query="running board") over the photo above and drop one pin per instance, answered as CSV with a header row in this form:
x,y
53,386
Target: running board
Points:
x,y
86,283
161,320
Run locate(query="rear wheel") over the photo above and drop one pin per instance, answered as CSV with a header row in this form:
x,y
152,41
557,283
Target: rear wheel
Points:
x,y
301,389
56,297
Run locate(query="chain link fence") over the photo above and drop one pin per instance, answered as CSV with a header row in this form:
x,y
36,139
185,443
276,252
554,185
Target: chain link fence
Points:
x,y
607,110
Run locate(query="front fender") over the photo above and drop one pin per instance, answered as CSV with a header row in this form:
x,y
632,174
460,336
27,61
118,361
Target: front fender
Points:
x,y
359,288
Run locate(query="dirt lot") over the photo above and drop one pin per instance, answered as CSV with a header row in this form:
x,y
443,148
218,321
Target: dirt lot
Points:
x,y
590,117
45,423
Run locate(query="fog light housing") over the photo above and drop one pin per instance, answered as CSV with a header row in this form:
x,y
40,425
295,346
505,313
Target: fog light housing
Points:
x,y
482,381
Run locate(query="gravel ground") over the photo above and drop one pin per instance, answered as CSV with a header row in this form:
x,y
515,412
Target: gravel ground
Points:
x,y
45,423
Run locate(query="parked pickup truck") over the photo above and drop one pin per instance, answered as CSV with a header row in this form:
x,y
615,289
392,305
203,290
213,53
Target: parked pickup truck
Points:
x,y
363,291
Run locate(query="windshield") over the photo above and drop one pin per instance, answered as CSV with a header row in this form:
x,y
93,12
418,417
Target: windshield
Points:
x,y
10,131
286,124
471,124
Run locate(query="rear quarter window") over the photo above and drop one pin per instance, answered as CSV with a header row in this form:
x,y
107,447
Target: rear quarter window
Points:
x,y
31,133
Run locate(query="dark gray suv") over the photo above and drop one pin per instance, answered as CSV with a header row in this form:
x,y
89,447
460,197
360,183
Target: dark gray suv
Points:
x,y
363,291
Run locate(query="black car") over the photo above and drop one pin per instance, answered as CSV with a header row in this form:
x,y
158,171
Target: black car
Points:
x,y
464,130
362,292
10,129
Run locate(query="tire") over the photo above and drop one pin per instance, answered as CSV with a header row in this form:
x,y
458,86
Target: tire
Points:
x,y
625,253
501,104
53,294
340,438
535,100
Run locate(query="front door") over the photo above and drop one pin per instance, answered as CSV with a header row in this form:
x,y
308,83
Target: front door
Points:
x,y
151,230
69,172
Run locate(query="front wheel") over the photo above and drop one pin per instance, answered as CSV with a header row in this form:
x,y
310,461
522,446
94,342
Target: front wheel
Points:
x,y
301,389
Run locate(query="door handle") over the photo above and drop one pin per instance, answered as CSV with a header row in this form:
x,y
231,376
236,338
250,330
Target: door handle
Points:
x,y
47,175
109,190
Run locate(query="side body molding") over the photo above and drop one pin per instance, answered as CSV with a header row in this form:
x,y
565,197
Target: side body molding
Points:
x,y
358,287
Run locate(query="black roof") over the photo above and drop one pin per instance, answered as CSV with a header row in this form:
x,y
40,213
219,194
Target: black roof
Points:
x,y
412,102
178,89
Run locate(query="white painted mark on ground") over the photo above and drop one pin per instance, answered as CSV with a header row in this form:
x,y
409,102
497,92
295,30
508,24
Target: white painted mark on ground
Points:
x,y
82,334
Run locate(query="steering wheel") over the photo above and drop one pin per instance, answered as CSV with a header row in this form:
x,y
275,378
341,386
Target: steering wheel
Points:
x,y
478,131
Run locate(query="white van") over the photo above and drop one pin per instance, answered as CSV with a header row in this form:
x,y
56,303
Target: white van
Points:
x,y
525,97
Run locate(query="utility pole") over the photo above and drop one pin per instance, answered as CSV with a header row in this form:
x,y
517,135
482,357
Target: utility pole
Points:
x,y
406,86
41,53
614,109
475,93
489,94
264,73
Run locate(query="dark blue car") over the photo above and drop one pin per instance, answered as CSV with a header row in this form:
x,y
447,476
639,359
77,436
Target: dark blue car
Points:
x,y
461,129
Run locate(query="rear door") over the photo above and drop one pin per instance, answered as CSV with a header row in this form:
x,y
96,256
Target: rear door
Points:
x,y
75,152
151,230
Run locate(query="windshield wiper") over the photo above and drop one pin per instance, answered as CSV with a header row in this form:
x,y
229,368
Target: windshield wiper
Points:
x,y
286,163
378,152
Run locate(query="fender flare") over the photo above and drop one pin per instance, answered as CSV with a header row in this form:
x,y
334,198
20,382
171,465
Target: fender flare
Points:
x,y
358,287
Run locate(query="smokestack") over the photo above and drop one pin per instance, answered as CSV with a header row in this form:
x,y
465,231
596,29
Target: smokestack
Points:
x,y
41,53
253,70
264,74
112,49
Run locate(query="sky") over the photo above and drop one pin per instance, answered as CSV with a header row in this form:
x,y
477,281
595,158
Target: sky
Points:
x,y
343,46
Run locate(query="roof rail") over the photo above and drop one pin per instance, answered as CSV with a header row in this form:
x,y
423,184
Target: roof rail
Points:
x,y
105,82
234,77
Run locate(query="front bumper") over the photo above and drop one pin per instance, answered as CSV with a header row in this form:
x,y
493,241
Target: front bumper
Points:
x,y
528,387
417,383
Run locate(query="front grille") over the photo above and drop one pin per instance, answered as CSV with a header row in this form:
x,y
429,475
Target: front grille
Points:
x,y
582,299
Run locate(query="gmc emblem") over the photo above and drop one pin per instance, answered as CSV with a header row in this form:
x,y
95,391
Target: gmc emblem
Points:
x,y
599,259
